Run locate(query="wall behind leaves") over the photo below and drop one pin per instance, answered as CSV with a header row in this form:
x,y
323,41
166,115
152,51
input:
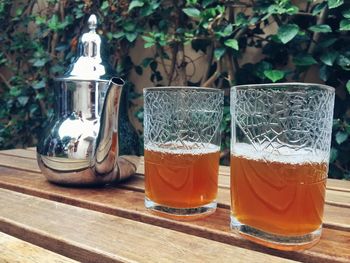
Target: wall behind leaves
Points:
x,y
294,39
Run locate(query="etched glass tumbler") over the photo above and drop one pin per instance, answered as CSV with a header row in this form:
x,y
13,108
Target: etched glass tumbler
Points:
x,y
280,146
182,150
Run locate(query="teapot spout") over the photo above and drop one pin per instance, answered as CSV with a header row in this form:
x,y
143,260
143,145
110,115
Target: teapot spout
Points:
x,y
107,145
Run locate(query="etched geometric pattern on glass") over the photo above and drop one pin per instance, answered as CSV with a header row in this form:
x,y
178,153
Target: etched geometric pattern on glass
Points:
x,y
276,118
181,116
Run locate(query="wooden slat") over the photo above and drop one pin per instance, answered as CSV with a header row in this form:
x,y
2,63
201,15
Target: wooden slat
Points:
x,y
20,163
336,198
339,198
31,148
338,185
335,216
91,236
129,204
19,153
16,250
225,170
224,180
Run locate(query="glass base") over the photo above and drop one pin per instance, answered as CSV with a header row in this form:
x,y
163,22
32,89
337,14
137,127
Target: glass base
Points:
x,y
288,243
183,214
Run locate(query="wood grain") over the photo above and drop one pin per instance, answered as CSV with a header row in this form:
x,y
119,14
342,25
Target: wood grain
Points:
x,y
14,250
19,172
30,153
129,204
91,236
334,197
20,163
25,153
335,216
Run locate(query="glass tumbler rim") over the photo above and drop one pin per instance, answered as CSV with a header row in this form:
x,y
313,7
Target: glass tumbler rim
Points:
x,y
286,85
182,88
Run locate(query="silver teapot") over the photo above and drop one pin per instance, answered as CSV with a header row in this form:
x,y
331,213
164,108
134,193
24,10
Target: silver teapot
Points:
x,y
89,140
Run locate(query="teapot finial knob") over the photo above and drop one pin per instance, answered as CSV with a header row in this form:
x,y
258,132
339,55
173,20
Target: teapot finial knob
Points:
x,y
92,22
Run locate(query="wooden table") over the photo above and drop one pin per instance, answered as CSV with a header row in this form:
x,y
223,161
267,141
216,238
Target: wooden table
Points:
x,y
42,222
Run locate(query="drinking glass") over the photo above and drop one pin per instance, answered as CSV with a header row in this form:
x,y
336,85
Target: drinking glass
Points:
x,y
182,150
281,136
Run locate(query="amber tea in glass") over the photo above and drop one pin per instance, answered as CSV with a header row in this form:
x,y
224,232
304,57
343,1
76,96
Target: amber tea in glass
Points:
x,y
182,150
279,162
182,179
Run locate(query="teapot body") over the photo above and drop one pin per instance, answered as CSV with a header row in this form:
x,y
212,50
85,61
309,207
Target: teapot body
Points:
x,y
81,145
90,139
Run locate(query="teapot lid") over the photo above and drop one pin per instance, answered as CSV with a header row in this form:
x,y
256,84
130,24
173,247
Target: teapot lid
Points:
x,y
90,63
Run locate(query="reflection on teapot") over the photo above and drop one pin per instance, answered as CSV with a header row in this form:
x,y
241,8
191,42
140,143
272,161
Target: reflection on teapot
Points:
x,y
89,140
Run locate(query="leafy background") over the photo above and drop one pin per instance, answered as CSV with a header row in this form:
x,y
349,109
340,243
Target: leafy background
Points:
x,y
295,40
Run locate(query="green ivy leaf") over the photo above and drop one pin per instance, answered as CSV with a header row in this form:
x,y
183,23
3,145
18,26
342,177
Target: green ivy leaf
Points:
x,y
15,91
40,20
333,155
39,84
324,73
232,43
328,42
274,75
191,2
337,123
148,45
341,137
261,67
32,109
129,26
346,13
318,8
241,19
118,35
304,60
348,86
205,3
19,11
192,12
105,5
139,115
344,62
135,3
131,36
287,32
347,127
335,3
344,25
328,58
149,41
40,96
138,70
153,65
57,69
23,100
226,32
284,7
321,28
219,52
146,61
149,9
53,23
39,62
